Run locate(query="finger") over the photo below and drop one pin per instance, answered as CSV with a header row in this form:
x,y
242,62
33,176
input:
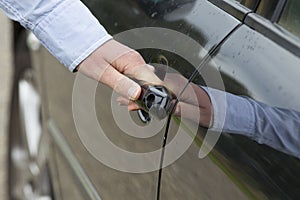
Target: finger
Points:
x,y
113,50
132,64
128,61
144,73
102,71
123,57
133,106
126,102
124,61
123,101
120,83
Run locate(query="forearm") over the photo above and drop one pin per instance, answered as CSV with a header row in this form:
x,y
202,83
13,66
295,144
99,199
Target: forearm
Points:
x,y
65,27
231,113
276,127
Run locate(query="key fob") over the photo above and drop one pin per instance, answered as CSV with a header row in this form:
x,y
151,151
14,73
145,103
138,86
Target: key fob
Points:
x,y
156,100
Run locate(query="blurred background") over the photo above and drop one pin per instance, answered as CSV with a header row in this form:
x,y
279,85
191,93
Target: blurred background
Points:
x,y
5,90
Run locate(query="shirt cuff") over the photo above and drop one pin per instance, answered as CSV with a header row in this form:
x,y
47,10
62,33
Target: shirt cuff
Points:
x,y
231,113
71,33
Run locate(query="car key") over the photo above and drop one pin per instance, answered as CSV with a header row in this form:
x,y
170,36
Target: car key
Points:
x,y
156,100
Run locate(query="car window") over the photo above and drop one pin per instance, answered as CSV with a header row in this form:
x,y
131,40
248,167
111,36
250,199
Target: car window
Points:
x,y
273,16
251,4
270,9
290,18
266,8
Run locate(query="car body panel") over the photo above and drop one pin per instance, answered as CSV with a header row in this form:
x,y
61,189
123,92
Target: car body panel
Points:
x,y
231,170
244,55
189,18
276,70
103,177
58,86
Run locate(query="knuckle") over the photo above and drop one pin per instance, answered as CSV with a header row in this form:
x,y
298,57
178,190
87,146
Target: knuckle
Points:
x,y
136,56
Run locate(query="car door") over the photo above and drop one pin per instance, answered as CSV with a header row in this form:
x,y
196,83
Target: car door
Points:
x,y
180,34
260,59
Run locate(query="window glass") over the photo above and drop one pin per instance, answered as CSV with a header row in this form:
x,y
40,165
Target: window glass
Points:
x,y
267,8
290,18
251,4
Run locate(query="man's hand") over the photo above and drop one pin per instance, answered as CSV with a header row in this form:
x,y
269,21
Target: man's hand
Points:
x,y
114,64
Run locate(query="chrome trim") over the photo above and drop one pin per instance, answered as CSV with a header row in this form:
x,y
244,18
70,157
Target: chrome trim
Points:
x,y
144,116
29,102
71,159
32,42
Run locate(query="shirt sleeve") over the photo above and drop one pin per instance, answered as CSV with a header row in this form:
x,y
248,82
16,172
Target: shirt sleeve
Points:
x,y
276,127
65,27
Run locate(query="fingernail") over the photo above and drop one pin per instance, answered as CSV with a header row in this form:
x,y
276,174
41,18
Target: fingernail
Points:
x,y
133,93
